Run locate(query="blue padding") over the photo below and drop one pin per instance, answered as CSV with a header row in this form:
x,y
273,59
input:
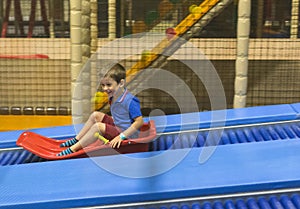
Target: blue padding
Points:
x,y
240,204
286,202
8,139
229,204
263,203
296,200
74,183
296,107
187,121
274,202
196,206
250,115
252,204
207,205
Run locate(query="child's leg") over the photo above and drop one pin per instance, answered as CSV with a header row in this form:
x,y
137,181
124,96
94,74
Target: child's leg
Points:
x,y
87,139
69,142
94,118
65,152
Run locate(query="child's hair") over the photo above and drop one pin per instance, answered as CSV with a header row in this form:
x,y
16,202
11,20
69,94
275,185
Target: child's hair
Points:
x,y
117,72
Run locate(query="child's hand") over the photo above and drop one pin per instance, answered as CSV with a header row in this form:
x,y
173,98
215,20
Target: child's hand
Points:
x,y
116,142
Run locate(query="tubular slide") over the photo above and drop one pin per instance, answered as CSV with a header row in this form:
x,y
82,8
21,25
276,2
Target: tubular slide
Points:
x,y
254,164
175,37
207,10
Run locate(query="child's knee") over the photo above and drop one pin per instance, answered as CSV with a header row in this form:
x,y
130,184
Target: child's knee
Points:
x,y
99,127
97,116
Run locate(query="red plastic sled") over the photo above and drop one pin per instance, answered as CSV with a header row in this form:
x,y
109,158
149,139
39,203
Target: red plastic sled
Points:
x,y
48,148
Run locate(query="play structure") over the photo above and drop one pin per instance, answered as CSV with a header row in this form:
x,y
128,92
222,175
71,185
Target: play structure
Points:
x,y
248,159
157,56
48,148
254,165
19,21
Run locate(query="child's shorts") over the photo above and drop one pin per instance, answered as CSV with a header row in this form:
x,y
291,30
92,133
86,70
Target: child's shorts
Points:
x,y
111,130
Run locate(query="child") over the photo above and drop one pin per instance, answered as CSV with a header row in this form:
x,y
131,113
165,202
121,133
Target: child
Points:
x,y
126,115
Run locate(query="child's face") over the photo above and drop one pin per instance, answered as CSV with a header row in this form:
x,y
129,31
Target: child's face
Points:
x,y
110,86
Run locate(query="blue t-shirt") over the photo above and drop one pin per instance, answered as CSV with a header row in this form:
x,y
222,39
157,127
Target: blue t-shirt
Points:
x,y
125,109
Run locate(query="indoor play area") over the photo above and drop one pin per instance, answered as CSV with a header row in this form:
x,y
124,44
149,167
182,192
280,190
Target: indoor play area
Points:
x,y
218,85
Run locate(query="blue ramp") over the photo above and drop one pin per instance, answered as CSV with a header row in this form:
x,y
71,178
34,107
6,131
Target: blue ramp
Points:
x,y
74,183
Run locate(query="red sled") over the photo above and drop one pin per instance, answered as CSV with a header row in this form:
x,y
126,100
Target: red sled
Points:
x,y
48,148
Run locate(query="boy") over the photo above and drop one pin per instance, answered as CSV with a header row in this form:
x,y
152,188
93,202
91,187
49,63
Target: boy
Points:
x,y
126,115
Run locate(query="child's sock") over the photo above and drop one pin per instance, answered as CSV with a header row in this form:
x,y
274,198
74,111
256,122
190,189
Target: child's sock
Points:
x,y
69,143
65,152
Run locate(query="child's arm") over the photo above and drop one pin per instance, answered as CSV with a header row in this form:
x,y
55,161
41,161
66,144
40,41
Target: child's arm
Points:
x,y
135,126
